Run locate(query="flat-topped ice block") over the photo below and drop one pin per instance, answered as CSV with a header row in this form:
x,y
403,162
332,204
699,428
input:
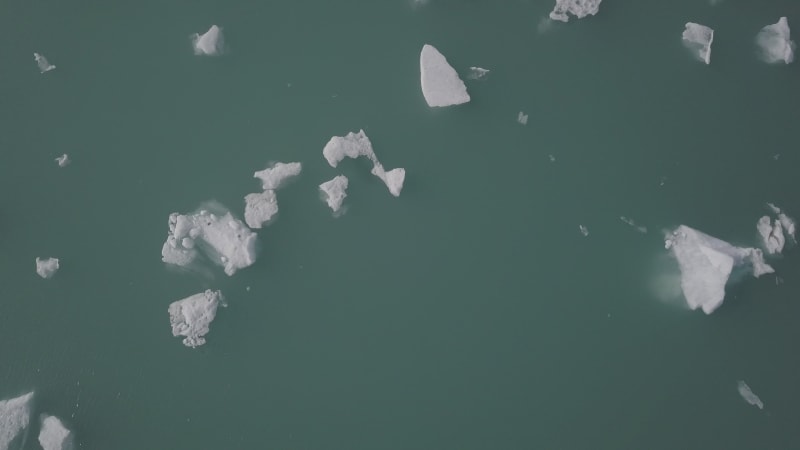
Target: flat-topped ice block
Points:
x,y
441,85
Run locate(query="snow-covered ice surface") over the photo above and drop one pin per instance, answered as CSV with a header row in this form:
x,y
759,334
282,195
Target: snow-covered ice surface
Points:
x,y
478,73
192,316
698,38
224,239
354,145
334,192
748,395
441,85
62,160
274,176
578,8
210,43
46,267
259,208
775,44
706,264
15,415
53,435
41,61
522,118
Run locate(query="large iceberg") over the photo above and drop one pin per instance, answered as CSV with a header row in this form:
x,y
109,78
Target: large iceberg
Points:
x,y
15,414
698,39
578,8
706,263
42,63
441,85
46,267
209,43
192,316
223,238
334,192
774,43
53,435
354,145
261,207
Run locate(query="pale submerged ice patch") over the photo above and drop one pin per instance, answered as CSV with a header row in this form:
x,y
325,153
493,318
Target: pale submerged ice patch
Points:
x,y
748,395
53,435
354,145
478,73
775,44
584,230
209,43
578,8
15,414
46,267
698,38
41,61
629,221
522,118
62,160
334,192
192,316
441,85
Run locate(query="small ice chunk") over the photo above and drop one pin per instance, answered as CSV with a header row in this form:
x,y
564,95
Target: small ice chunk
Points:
x,y
191,317
46,267
393,179
748,395
15,415
478,73
209,43
334,192
584,230
274,176
639,228
774,43
522,118
53,435
62,160
441,85
698,39
578,8
706,263
771,234
260,208
41,61
354,145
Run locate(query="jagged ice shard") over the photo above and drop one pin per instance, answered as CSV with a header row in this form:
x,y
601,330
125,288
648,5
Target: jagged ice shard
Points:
x,y
15,414
698,39
192,316
273,177
706,263
773,231
774,43
441,85
46,267
53,435
334,192
354,145
261,207
209,43
578,8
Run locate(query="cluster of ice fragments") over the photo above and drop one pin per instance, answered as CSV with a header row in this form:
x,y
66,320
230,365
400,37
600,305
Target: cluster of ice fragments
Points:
x,y
706,263
354,145
773,231
441,85
192,316
775,43
578,8
261,207
15,416
209,43
223,239
698,38
46,267
41,61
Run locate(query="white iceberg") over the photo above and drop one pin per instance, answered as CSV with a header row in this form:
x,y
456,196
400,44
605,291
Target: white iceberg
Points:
x,y
259,208
334,192
209,43
578,8
522,118
15,415
223,238
41,61
62,160
192,316
748,395
771,234
393,179
53,435
698,38
441,85
46,267
706,263
274,176
774,43
786,222
354,145
478,73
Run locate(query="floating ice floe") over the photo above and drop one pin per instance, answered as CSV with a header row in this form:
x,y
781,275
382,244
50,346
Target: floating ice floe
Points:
x,y
522,118
748,395
584,230
698,39
46,267
629,221
273,177
41,61
774,43
192,316
53,435
478,73
441,85
62,160
773,231
706,263
578,8
209,43
261,207
354,145
15,415
224,239
334,192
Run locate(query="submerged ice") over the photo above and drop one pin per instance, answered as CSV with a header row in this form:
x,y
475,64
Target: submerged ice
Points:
x,y
41,61
477,73
355,145
706,263
748,395
15,414
46,267
441,85
209,43
698,38
774,43
53,435
192,316
62,160
334,192
578,8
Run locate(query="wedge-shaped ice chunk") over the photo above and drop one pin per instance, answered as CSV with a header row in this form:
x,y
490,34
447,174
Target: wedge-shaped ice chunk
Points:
x,y
53,435
334,192
441,85
224,239
210,43
706,263
46,267
698,39
41,61
354,145
273,177
259,208
393,179
774,43
15,415
748,395
578,8
192,316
